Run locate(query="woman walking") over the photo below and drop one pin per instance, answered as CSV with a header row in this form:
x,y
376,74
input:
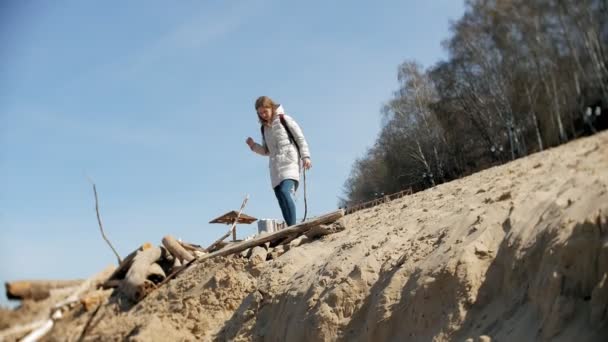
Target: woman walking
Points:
x,y
284,143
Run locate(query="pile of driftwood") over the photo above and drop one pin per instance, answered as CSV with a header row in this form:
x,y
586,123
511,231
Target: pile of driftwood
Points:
x,y
149,267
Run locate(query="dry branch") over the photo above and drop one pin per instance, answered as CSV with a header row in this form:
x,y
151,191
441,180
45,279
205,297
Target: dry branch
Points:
x,y
103,234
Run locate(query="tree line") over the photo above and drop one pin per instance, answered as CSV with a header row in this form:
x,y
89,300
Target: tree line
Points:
x,y
521,76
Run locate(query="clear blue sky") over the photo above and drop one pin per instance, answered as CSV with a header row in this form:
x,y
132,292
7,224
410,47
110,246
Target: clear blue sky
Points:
x,y
154,100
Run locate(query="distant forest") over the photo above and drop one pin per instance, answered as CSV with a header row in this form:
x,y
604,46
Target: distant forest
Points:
x,y
521,76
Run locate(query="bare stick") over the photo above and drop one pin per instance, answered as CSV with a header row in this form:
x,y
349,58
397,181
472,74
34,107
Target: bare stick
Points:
x,y
232,229
103,234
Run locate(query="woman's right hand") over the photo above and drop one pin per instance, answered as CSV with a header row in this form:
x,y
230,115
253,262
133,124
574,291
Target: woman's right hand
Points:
x,y
250,142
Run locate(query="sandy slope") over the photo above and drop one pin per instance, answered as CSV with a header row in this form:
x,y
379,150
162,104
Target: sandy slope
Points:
x,y
514,253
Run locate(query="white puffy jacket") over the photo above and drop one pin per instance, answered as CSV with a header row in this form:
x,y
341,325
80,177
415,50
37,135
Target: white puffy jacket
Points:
x,y
283,161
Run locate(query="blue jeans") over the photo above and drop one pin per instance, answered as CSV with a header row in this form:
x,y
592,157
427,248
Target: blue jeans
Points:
x,y
285,193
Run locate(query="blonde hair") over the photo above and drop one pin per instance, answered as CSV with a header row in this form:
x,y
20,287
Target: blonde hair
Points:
x,y
266,102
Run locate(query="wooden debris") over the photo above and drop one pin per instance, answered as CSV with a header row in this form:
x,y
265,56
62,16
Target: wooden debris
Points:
x,y
124,266
156,273
190,247
297,229
217,246
288,239
136,284
91,283
20,330
198,254
242,246
110,284
36,289
176,249
40,331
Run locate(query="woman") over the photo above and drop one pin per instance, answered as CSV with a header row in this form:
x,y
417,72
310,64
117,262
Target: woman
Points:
x,y
284,142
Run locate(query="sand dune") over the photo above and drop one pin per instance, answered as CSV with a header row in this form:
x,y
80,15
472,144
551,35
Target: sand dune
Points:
x,y
517,252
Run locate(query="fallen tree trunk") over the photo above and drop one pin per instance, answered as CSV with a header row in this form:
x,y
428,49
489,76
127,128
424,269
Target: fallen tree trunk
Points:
x,y
294,230
136,284
176,249
36,289
286,240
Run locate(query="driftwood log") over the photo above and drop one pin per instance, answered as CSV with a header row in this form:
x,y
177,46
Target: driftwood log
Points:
x,y
124,266
297,230
144,270
287,240
176,249
92,282
36,289
38,328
